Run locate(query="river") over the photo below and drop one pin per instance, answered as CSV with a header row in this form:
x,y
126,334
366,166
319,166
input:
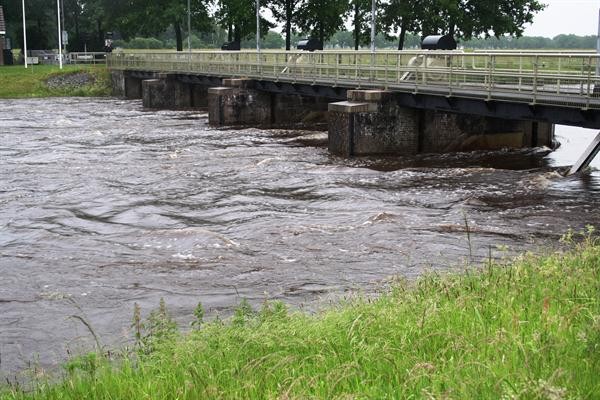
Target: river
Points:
x,y
104,205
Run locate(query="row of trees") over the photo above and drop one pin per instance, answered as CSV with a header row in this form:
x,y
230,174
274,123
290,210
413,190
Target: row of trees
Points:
x,y
88,20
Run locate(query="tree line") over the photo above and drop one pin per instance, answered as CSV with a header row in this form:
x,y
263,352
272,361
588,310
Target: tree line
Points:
x,y
88,21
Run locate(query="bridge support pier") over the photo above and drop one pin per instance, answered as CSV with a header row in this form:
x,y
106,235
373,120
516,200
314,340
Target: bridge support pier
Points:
x,y
117,78
372,122
133,87
166,92
237,103
124,85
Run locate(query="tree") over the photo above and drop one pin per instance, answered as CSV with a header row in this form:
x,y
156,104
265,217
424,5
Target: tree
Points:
x,y
285,11
322,18
239,18
359,11
402,16
472,18
152,18
41,23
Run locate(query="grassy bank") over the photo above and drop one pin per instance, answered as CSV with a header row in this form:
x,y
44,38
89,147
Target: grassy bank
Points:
x,y
18,82
530,330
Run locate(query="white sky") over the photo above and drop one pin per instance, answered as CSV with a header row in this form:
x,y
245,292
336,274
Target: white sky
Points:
x,y
579,17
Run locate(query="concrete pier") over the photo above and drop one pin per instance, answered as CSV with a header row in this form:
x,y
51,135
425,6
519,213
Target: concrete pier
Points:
x,y
372,122
237,103
133,87
166,92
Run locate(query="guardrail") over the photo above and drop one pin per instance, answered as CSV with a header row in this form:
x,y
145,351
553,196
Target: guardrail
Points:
x,y
87,58
558,78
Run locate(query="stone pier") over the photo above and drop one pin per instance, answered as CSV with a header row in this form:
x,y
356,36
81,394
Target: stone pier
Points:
x,y
372,122
166,92
237,102
133,87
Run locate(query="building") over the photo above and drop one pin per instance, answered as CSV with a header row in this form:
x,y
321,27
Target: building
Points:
x,y
2,35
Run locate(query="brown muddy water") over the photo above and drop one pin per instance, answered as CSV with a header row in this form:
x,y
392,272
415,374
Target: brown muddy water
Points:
x,y
104,204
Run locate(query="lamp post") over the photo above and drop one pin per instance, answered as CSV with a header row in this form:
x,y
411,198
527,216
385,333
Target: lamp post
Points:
x,y
258,26
24,36
60,61
65,37
189,21
598,47
373,20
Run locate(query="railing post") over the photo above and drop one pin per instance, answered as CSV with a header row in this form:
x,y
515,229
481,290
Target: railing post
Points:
x,y
589,82
490,75
337,68
535,78
450,78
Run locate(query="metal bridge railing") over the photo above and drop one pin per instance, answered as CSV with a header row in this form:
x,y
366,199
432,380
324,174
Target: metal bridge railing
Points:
x,y
551,78
87,58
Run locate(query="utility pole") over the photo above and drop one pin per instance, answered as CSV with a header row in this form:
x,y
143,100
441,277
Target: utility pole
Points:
x,y
59,34
24,36
189,27
62,13
258,26
598,47
373,21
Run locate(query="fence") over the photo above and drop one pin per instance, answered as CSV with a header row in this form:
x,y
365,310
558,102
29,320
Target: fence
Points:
x,y
551,78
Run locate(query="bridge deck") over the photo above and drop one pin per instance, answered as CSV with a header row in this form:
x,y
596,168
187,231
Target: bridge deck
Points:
x,y
563,79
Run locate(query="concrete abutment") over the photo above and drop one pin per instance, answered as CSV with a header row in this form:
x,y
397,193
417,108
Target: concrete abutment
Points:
x,y
372,122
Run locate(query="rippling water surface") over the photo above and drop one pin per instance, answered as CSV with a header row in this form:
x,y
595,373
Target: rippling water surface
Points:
x,y
104,204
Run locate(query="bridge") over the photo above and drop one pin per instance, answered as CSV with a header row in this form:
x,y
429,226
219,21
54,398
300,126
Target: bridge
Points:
x,y
498,92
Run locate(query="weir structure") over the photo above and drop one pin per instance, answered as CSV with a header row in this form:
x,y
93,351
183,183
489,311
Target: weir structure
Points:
x,y
384,102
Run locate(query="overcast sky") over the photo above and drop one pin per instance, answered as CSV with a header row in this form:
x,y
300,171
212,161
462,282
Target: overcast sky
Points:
x,y
579,17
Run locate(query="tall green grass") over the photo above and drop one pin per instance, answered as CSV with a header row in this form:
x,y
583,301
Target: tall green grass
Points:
x,y
530,330
19,82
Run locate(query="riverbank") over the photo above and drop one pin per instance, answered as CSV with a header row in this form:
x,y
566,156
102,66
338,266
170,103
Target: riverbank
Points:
x,y
50,81
527,330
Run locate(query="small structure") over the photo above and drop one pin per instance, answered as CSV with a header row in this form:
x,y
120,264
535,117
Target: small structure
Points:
x,y
439,42
310,44
2,35
231,46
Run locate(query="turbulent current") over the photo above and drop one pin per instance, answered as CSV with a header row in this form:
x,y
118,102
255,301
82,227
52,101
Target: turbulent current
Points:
x,y
103,205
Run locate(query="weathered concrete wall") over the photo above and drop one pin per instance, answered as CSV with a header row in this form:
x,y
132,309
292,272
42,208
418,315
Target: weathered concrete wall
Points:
x,y
199,97
445,132
166,92
238,106
133,87
117,79
292,109
371,122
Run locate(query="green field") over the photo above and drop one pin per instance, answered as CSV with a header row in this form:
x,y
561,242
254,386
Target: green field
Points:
x,y
528,330
19,82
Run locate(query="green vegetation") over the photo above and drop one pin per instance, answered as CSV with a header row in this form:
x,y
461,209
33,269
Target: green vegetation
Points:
x,y
528,330
18,82
89,21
